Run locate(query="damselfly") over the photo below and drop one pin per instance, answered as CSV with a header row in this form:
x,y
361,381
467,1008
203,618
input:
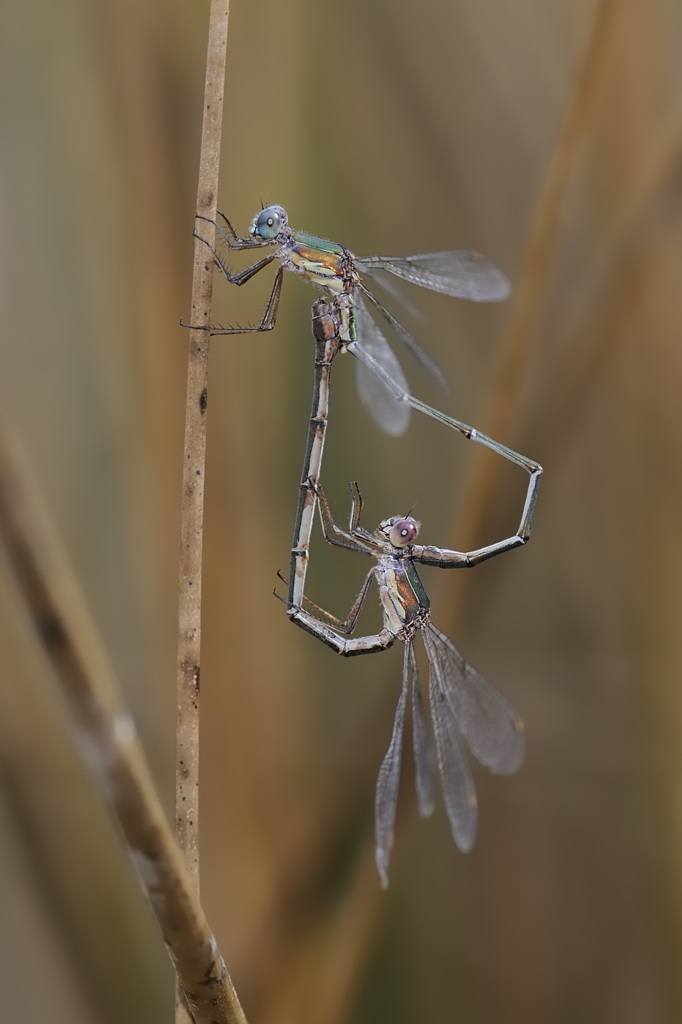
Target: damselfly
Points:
x,y
327,322
466,710
334,269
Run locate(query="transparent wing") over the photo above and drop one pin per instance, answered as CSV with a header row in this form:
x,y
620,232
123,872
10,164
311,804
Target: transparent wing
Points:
x,y
462,274
487,721
398,294
423,358
391,415
459,795
386,798
423,759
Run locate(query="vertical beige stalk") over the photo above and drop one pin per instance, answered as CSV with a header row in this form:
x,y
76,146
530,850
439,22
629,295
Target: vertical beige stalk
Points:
x,y
193,473
194,457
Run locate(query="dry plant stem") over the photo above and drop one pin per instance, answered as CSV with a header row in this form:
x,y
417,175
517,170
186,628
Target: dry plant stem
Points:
x,y
521,333
108,739
193,469
194,466
194,461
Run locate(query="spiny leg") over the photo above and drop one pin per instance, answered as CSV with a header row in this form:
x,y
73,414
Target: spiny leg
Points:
x,y
356,504
270,314
244,275
347,625
358,531
347,647
235,242
364,545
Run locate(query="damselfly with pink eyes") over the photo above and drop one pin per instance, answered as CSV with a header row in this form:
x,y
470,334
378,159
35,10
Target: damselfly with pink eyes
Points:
x,y
328,321
334,269
467,712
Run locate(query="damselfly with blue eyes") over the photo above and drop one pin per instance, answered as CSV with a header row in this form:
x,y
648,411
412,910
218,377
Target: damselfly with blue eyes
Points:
x,y
466,711
339,273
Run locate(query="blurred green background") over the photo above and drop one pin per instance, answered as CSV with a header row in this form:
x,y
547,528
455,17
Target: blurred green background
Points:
x,y
547,135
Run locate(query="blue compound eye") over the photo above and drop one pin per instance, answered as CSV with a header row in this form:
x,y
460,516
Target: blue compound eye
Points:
x,y
403,532
269,222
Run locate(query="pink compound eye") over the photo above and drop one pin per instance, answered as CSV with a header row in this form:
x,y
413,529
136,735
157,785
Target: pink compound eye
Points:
x,y
403,532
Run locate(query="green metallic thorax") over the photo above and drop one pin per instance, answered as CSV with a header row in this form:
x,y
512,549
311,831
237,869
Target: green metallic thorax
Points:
x,y
402,594
321,262
313,242
416,585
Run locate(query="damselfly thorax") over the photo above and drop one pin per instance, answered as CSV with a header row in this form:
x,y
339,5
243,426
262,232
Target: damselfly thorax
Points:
x,y
331,269
403,598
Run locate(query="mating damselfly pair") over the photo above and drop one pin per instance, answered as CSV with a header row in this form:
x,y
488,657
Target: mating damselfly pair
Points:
x,y
466,711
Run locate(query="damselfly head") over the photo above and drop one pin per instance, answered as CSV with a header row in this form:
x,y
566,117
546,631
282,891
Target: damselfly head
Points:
x,y
399,531
269,222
